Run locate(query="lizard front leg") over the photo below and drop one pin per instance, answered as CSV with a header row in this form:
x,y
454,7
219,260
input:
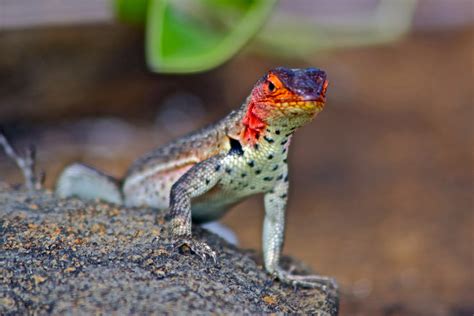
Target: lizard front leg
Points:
x,y
197,181
273,235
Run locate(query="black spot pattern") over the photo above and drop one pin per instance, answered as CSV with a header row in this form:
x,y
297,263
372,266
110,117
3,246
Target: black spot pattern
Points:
x,y
268,139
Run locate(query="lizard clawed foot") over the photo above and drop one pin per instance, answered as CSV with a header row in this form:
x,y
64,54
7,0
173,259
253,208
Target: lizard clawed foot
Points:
x,y
323,283
200,248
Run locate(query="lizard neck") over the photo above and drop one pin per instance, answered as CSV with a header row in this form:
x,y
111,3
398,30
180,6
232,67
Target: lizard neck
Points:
x,y
247,125
266,139
276,138
256,126
270,150
253,125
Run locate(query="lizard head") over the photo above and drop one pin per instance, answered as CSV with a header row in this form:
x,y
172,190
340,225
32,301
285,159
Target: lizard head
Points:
x,y
286,98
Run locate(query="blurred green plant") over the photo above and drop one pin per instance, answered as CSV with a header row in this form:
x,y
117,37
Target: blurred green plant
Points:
x,y
184,36
384,22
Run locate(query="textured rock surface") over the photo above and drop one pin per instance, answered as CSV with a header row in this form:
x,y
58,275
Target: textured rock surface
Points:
x,y
61,256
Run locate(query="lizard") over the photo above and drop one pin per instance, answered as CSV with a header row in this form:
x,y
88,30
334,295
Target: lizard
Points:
x,y
200,176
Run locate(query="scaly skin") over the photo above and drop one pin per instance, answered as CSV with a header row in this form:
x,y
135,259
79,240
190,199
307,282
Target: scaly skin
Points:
x,y
201,175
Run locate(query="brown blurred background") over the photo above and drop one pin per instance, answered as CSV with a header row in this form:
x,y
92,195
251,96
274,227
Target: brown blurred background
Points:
x,y
382,181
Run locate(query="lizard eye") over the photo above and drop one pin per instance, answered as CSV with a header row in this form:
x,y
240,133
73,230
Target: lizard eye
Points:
x,y
271,86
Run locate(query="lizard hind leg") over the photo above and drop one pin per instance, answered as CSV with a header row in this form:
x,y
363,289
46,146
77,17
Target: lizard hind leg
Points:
x,y
88,183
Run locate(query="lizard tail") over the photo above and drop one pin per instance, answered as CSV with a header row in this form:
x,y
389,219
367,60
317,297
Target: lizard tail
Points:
x,y
88,183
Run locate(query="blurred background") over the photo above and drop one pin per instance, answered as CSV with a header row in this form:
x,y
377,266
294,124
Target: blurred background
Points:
x,y
382,181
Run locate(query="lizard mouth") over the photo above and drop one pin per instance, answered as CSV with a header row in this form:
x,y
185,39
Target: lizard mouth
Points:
x,y
312,102
312,105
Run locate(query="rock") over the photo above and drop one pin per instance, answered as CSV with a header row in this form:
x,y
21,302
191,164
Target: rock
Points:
x,y
68,256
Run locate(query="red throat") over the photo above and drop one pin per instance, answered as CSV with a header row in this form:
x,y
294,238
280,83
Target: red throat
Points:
x,y
253,126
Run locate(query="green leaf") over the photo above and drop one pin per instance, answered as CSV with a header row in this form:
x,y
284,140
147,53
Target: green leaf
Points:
x,y
196,35
131,11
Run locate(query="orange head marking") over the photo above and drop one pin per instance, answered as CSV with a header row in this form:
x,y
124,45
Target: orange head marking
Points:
x,y
286,98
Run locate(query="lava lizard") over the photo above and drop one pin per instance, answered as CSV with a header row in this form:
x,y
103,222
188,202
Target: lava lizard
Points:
x,y
200,176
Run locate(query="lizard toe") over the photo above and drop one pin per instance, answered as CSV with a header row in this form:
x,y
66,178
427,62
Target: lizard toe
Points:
x,y
199,248
323,283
